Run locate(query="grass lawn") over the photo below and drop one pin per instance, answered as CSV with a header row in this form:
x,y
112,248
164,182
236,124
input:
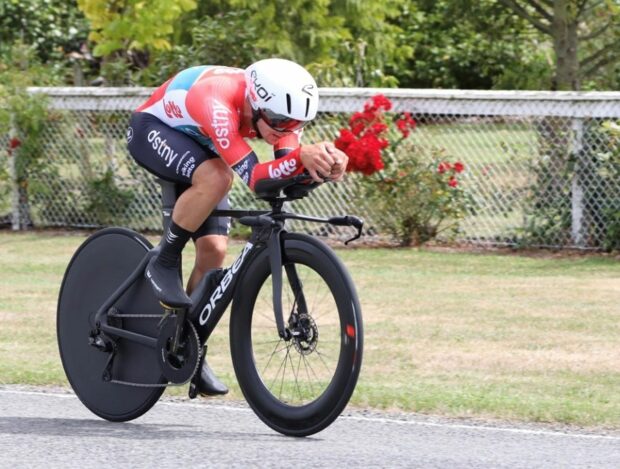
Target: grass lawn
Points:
x,y
454,333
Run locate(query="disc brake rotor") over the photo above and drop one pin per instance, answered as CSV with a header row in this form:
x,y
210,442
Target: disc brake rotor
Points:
x,y
306,336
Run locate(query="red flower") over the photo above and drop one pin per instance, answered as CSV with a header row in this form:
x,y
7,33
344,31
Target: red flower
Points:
x,y
376,103
357,129
365,154
453,182
361,118
459,167
380,101
365,139
378,128
443,167
405,124
402,127
14,143
346,138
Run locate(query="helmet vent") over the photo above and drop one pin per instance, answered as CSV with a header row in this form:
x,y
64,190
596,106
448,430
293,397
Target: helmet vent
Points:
x,y
307,106
288,102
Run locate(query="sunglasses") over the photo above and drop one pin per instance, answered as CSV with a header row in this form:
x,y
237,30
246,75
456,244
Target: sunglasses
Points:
x,y
280,123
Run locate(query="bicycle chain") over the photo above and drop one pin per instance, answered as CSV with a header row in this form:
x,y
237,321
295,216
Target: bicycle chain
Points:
x,y
138,316
162,385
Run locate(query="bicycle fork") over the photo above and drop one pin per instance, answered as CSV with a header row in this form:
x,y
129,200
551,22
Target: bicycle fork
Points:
x,y
275,248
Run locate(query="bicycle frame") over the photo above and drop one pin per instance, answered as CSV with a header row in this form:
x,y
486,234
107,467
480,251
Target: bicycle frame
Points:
x,y
267,227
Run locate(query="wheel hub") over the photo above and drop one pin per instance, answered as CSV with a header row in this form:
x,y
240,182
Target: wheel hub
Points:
x,y
305,334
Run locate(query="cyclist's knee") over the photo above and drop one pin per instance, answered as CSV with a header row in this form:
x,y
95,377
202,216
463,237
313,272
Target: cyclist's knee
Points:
x,y
213,175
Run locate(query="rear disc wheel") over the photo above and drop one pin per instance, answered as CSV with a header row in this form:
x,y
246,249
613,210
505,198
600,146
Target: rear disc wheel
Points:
x,y
97,269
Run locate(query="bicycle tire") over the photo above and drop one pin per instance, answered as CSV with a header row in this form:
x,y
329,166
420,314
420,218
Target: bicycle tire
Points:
x,y
316,263
97,269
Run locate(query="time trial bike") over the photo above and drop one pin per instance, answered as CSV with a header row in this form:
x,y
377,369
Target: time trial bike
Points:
x,y
296,333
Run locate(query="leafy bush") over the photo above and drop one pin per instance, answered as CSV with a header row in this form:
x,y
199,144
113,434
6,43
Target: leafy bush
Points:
x,y
418,192
107,201
23,119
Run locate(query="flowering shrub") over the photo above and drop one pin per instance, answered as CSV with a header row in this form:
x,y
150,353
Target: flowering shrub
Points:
x,y
418,192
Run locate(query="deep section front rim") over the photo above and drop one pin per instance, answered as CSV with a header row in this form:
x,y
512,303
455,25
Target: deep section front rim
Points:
x,y
300,386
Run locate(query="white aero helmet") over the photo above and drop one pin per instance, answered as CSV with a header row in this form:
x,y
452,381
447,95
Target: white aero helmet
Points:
x,y
282,93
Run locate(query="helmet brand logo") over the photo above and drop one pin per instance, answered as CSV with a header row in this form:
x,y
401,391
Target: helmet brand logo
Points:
x,y
308,89
260,89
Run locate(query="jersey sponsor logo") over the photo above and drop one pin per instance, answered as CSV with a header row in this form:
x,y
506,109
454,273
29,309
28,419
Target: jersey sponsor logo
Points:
x,y
218,293
172,110
243,169
285,168
220,124
162,148
187,169
260,90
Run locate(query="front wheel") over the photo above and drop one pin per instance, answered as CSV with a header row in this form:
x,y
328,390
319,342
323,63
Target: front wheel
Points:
x,y
300,385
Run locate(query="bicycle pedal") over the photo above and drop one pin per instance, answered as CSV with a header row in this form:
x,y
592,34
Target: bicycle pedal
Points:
x,y
167,307
168,311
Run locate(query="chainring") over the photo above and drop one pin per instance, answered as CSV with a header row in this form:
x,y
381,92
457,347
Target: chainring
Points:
x,y
178,367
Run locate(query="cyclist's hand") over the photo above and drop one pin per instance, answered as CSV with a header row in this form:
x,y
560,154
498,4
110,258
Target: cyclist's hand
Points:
x,y
340,163
320,158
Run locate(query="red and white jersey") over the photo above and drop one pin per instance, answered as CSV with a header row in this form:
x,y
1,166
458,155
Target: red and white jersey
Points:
x,y
207,103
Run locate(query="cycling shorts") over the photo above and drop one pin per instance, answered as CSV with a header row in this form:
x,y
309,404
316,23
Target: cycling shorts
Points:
x,y
173,156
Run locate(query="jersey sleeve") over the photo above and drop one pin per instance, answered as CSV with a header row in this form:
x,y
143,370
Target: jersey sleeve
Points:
x,y
287,144
221,124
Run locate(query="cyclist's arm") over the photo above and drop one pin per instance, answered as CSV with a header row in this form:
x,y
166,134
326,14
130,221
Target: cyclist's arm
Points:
x,y
287,144
221,124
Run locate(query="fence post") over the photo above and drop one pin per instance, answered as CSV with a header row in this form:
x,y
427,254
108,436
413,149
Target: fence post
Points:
x,y
14,152
577,224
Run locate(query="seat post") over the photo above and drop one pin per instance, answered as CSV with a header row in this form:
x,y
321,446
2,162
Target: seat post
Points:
x,y
168,199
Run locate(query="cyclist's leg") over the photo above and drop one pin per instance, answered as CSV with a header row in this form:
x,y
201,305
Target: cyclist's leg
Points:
x,y
174,156
211,241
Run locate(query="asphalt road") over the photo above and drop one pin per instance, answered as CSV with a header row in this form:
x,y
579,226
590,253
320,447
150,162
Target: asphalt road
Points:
x,y
39,428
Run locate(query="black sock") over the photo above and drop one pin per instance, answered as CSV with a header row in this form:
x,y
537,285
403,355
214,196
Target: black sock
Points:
x,y
172,243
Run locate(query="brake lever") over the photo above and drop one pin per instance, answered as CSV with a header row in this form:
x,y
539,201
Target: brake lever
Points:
x,y
348,220
359,224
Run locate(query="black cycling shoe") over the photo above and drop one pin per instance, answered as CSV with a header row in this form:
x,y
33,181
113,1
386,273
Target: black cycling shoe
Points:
x,y
166,283
208,384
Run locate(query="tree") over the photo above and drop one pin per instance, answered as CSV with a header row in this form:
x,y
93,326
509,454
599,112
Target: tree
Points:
x,y
470,44
123,25
125,31
343,42
53,27
592,26
209,41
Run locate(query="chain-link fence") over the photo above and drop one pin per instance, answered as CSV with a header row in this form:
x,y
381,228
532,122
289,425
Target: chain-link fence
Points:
x,y
542,168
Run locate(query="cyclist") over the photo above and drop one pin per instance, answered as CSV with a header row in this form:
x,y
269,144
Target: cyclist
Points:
x,y
192,131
